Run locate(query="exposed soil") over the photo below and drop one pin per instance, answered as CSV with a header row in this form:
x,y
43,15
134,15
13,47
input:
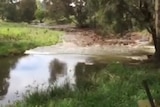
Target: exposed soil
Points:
x,y
87,37
87,42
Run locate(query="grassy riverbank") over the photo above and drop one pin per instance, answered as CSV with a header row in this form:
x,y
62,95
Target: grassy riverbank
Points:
x,y
115,85
15,38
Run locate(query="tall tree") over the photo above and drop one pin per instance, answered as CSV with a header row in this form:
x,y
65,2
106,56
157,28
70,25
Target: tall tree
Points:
x,y
58,9
80,12
2,9
157,27
121,15
150,17
27,9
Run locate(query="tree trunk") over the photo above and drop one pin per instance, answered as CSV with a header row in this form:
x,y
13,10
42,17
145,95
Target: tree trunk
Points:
x,y
154,37
157,52
157,28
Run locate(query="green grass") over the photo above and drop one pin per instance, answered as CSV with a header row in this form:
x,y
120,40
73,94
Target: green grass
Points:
x,y
15,38
115,85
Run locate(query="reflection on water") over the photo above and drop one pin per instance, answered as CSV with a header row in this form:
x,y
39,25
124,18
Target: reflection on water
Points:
x,y
61,73
28,72
5,66
17,75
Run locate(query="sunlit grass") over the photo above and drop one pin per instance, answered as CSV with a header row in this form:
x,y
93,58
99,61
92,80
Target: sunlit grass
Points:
x,y
16,38
115,85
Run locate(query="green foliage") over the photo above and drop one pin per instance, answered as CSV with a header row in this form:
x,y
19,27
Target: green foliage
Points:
x,y
112,16
80,12
59,9
116,85
107,16
11,13
2,9
16,38
27,9
18,11
40,15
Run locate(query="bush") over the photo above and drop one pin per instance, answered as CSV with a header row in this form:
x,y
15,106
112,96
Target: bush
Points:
x,y
11,13
40,15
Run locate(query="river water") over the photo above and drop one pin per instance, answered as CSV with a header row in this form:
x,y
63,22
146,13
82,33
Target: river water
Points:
x,y
20,74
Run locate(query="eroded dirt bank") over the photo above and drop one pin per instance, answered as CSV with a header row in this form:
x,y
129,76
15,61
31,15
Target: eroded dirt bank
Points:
x,y
87,42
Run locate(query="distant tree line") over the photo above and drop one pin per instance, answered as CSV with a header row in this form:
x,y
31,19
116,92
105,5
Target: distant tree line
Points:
x,y
15,10
107,15
113,16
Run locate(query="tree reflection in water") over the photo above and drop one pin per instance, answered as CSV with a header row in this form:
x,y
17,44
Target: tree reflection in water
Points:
x,y
4,84
62,74
5,65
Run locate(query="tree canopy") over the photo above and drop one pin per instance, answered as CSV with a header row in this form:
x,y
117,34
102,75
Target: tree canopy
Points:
x,y
18,10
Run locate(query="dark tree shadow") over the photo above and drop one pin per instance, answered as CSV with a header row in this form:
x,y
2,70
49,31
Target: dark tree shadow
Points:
x,y
6,64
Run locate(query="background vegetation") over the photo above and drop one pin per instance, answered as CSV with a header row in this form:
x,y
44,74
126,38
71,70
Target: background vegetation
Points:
x,y
107,16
